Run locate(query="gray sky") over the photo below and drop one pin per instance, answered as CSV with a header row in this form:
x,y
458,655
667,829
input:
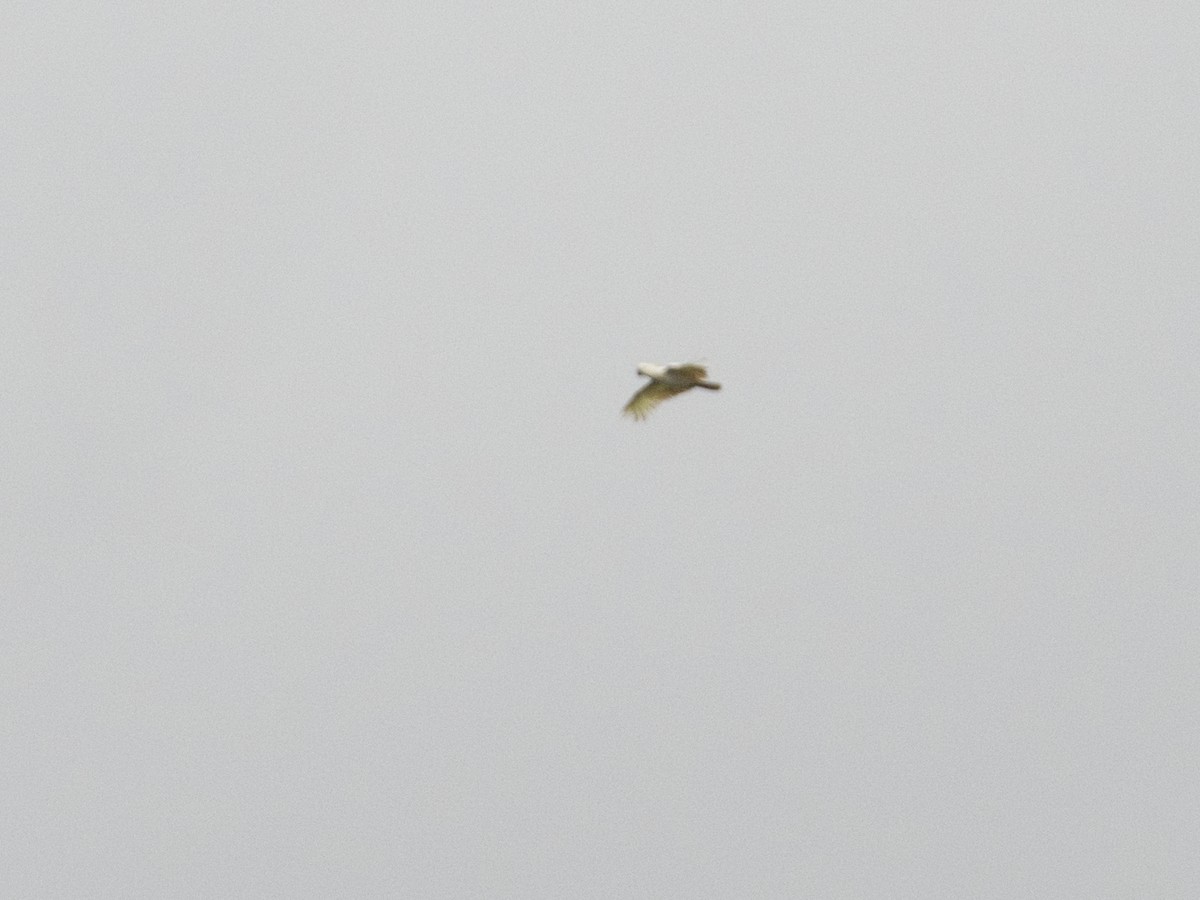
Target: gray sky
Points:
x,y
331,568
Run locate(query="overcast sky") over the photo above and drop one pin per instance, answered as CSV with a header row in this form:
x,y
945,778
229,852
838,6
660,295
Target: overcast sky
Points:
x,y
331,569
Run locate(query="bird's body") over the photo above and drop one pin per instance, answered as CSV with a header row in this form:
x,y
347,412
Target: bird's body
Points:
x,y
666,381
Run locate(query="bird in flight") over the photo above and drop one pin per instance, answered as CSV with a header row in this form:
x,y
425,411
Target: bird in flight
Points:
x,y
666,381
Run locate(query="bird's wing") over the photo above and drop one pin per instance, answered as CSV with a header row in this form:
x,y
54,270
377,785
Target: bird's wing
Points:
x,y
654,393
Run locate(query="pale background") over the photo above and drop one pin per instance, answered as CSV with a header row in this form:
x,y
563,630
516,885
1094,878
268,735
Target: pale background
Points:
x,y
329,567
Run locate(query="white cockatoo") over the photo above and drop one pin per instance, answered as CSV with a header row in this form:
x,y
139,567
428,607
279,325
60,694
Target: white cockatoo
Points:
x,y
666,381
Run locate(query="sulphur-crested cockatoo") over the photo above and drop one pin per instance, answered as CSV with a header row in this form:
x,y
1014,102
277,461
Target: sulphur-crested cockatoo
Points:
x,y
666,381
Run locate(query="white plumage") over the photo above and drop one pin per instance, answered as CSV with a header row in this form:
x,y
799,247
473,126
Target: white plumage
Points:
x,y
666,381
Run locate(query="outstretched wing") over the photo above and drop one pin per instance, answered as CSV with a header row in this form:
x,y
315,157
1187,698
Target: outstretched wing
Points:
x,y
654,393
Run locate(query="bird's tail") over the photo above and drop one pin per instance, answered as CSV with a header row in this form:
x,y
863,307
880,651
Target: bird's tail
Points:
x,y
711,385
